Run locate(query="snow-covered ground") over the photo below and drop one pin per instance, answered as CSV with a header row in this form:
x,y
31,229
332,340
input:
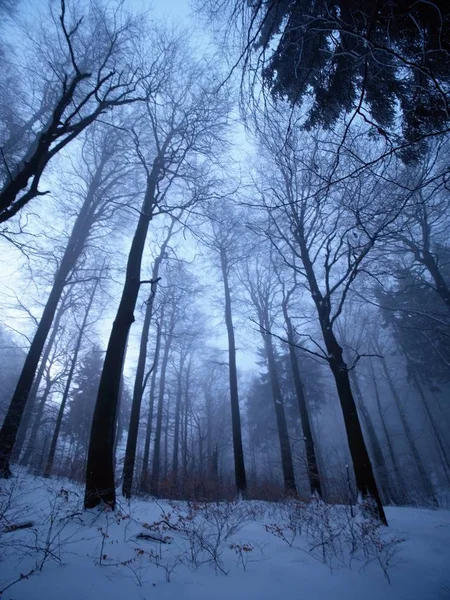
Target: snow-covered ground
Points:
x,y
228,551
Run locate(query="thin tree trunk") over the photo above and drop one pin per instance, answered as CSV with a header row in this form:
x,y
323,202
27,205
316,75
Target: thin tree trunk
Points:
x,y
166,438
77,241
283,435
186,429
31,406
139,384
62,406
311,460
434,427
239,464
362,467
374,443
176,437
100,480
148,432
32,440
156,463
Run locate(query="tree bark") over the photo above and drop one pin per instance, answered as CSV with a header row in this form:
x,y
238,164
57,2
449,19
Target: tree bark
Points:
x,y
400,487
148,432
362,467
239,464
31,407
374,443
176,437
100,483
311,460
283,434
156,463
138,391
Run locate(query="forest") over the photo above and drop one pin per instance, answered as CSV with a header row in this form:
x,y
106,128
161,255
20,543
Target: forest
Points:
x,y
225,298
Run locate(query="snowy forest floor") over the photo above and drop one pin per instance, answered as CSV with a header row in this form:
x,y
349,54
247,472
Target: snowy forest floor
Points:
x,y
50,548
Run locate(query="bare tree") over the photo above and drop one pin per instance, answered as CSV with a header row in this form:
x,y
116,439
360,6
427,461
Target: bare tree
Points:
x,y
327,235
261,284
101,184
227,232
94,66
179,128
141,377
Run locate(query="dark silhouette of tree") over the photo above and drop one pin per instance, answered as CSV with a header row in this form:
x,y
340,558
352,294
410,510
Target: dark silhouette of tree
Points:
x,y
261,285
227,231
174,137
92,68
380,60
101,179
141,377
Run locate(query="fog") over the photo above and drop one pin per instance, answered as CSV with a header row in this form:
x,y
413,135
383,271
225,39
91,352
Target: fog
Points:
x,y
222,276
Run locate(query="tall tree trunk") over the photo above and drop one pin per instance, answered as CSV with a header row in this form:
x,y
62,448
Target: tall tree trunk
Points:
x,y
62,406
77,241
239,464
364,475
283,435
31,447
425,482
362,467
176,437
166,438
156,463
148,432
186,428
374,443
139,383
311,460
31,407
100,481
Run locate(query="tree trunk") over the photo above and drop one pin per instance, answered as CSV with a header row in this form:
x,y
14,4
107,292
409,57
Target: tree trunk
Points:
x,y
19,400
148,432
32,440
364,475
31,408
139,384
374,443
283,435
156,463
100,483
311,460
239,465
186,428
434,427
362,467
176,437
62,406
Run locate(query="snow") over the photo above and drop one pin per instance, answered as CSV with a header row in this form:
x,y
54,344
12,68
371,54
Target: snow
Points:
x,y
70,544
